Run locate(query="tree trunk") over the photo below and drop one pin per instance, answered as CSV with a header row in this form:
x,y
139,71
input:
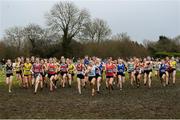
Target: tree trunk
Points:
x,y
66,45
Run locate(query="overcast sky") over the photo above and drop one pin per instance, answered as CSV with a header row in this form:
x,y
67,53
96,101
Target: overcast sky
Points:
x,y
141,19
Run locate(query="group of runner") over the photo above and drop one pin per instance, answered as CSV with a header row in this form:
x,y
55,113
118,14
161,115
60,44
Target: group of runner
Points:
x,y
38,72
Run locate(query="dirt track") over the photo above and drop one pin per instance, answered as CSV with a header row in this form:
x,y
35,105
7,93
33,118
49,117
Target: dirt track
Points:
x,y
156,102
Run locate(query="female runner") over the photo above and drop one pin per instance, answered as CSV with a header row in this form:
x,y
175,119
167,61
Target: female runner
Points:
x,y
110,74
9,74
80,75
120,73
130,69
18,70
71,71
27,73
91,70
52,70
37,70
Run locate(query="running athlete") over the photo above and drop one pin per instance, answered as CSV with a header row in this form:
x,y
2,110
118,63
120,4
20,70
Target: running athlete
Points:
x,y
9,74
168,70
37,72
147,71
91,70
18,70
110,74
86,63
45,66
51,74
115,81
137,72
32,61
99,70
156,67
71,71
120,73
63,71
80,75
173,69
27,72
57,65
130,69
162,72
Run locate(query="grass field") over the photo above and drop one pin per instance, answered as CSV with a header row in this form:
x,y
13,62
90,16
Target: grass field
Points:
x,y
157,102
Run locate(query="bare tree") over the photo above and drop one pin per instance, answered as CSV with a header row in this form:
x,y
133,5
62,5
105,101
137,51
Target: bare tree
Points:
x,y
121,37
66,19
96,31
14,37
35,36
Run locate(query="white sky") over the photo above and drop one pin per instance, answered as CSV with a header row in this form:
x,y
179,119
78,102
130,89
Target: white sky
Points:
x,y
141,19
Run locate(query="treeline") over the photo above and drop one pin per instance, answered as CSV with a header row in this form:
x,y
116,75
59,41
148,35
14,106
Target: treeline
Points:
x,y
71,32
164,46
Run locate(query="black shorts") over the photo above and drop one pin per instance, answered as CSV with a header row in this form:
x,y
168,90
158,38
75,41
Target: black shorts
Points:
x,y
147,71
137,73
97,76
50,75
109,76
27,75
72,74
120,73
62,73
43,74
130,71
36,74
80,76
171,70
161,74
91,77
9,75
19,72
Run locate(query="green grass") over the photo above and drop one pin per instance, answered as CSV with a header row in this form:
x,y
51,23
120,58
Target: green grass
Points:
x,y
132,102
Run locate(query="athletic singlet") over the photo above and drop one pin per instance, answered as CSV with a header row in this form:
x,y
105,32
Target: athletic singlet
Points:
x,y
162,68
146,66
63,67
51,69
173,64
167,65
9,69
109,70
86,61
114,68
149,65
92,73
99,69
137,67
120,68
17,66
27,67
130,66
79,69
157,65
71,68
37,68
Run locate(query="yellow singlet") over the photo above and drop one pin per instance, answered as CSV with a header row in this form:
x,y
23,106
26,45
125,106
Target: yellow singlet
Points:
x,y
71,68
27,67
173,64
17,66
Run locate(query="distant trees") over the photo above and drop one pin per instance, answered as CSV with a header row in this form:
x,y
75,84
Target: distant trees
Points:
x,y
66,19
96,30
14,37
164,44
71,32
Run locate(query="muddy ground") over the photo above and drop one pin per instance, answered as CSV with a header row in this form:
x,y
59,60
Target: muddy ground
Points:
x,y
157,102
